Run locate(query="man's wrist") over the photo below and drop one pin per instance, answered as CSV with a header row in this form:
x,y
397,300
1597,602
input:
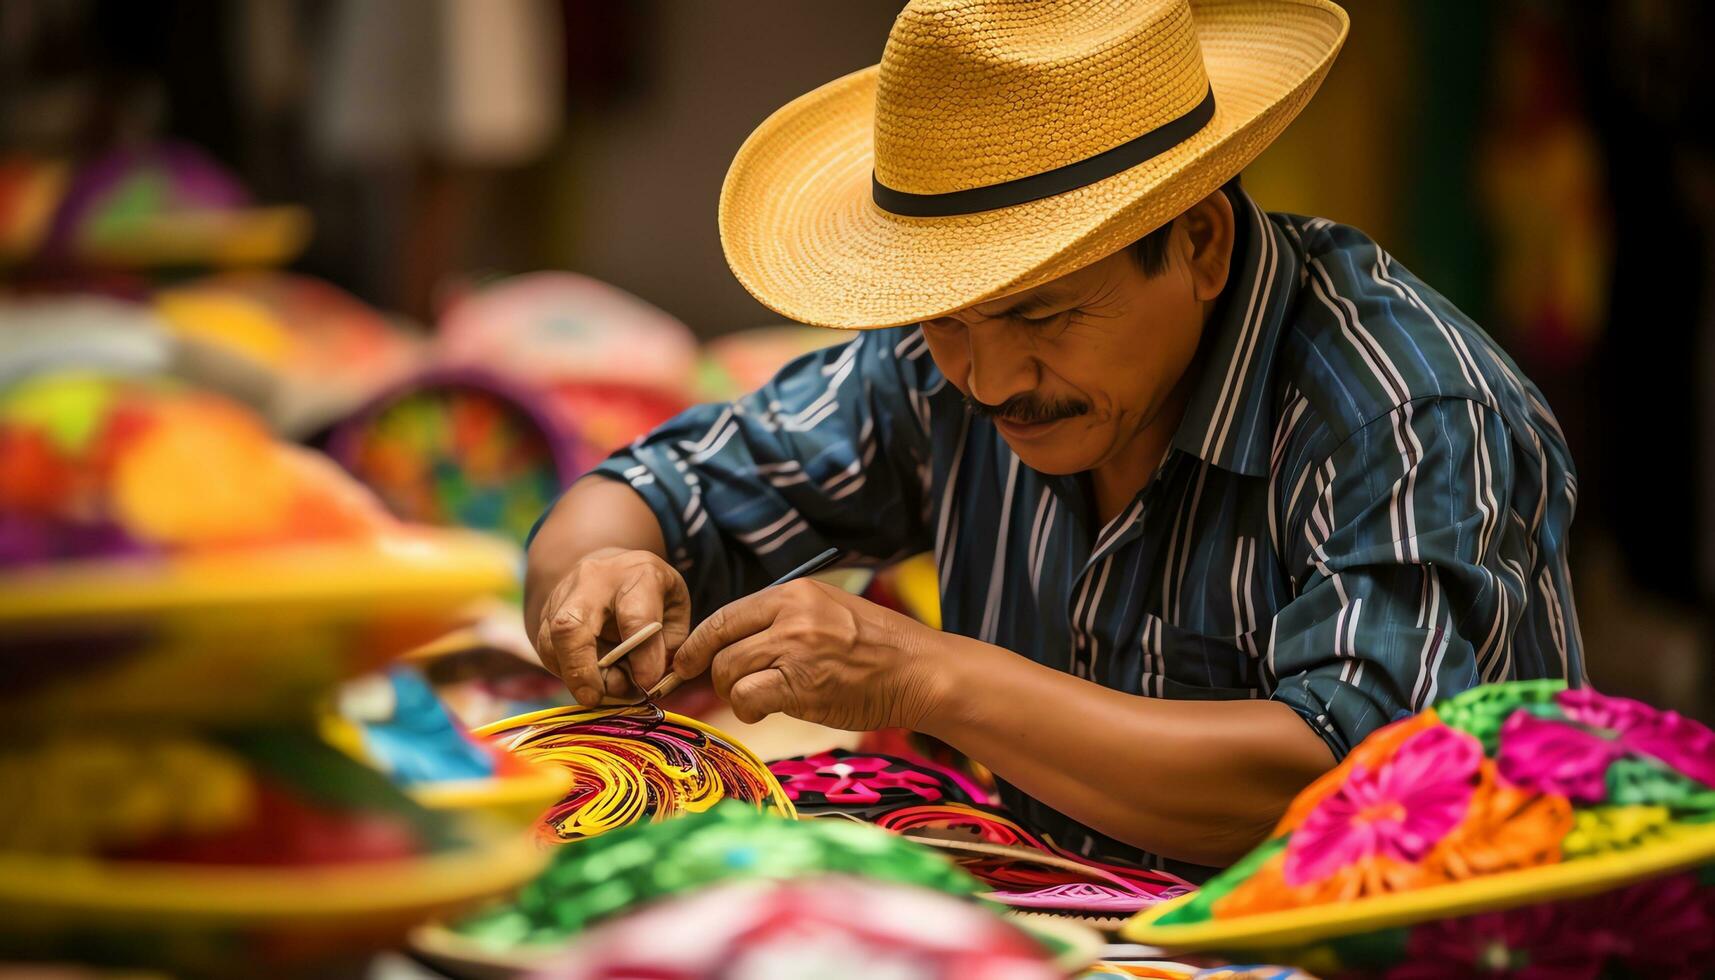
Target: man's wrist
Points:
x,y
935,678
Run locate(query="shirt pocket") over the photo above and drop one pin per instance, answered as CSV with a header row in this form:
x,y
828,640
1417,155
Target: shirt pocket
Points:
x,y
1181,663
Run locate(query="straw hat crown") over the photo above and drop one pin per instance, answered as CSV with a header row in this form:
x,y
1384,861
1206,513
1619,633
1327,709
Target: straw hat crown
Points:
x,y
971,94
1001,144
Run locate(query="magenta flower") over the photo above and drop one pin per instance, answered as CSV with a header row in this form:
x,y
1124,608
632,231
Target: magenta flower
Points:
x,y
1571,757
1669,736
1399,810
1553,757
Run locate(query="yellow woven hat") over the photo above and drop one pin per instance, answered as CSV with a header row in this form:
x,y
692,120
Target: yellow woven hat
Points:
x,y
1004,143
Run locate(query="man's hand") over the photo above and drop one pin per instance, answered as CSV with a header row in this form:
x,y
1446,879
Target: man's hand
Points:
x,y
608,595
818,653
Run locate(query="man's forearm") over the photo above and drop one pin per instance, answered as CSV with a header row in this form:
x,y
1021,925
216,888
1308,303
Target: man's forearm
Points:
x,y
595,513
1198,781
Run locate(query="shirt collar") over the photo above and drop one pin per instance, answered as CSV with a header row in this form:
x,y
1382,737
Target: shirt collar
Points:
x,y
1227,419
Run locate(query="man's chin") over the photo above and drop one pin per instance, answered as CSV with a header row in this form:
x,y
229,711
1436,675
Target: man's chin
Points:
x,y
1051,460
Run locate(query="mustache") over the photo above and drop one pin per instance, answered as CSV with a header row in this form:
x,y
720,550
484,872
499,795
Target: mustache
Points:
x,y
1028,409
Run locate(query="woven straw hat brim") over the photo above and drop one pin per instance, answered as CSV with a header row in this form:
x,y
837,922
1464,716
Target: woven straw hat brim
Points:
x,y
802,234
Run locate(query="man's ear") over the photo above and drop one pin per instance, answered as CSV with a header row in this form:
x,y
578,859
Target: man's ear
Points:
x,y
1209,231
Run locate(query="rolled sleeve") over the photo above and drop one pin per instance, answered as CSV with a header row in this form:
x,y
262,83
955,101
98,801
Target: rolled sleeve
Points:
x,y
1410,570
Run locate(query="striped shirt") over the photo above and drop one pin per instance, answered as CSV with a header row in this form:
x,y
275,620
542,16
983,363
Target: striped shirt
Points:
x,y
1364,508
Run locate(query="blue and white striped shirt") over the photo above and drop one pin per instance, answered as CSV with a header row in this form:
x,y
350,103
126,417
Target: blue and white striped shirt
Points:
x,y
1365,507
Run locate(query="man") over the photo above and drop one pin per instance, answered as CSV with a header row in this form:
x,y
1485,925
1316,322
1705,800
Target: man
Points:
x,y
1213,493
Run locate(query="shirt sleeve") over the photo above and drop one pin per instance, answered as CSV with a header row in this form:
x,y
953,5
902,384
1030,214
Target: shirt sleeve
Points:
x,y
832,453
1408,565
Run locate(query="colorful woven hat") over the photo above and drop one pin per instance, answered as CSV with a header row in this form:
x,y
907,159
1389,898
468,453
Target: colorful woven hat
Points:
x,y
557,327
830,927
195,853
304,351
1004,143
1512,824
635,763
455,446
592,894
169,204
161,555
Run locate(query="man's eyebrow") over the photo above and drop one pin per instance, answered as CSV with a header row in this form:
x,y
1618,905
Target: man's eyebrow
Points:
x,y
1039,301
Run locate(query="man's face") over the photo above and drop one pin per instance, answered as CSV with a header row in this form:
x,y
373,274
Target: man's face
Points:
x,y
1073,370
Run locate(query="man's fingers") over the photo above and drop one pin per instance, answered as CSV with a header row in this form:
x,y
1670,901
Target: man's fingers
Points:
x,y
752,654
545,651
756,696
676,609
639,603
729,624
572,632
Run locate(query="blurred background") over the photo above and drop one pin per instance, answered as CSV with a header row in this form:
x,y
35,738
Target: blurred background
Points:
x,y
352,215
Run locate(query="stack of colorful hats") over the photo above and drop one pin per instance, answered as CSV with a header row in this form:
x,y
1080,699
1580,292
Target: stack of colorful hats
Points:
x,y
178,592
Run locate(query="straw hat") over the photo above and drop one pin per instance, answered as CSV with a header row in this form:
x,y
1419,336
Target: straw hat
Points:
x,y
1004,143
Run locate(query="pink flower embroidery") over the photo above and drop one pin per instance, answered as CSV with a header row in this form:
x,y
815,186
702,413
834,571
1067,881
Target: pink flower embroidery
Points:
x,y
1399,810
1572,759
852,778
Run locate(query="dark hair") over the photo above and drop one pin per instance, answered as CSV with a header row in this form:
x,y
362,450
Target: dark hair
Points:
x,y
1151,250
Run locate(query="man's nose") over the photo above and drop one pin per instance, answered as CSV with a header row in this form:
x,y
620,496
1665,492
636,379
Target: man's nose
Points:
x,y
999,367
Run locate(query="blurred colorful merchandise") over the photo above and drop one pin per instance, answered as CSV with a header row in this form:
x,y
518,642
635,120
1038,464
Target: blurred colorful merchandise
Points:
x,y
481,681
838,781
640,902
193,851
308,350
162,555
39,334
260,797
1543,186
462,448
394,722
1166,970
1492,814
830,927
402,729
556,327
608,416
739,363
95,466
635,763
613,366
1026,870
646,862
30,192
926,750
167,204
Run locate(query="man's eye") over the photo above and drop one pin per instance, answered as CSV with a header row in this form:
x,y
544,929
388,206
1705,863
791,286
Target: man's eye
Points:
x,y
1047,320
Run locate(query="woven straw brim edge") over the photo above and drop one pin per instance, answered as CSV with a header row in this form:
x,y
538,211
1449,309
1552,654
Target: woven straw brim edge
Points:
x,y
802,235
